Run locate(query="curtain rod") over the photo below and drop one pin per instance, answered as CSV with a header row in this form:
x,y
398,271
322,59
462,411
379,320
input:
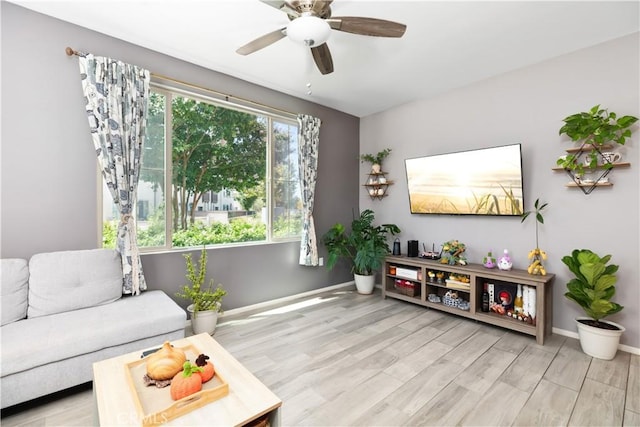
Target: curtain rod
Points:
x,y
70,52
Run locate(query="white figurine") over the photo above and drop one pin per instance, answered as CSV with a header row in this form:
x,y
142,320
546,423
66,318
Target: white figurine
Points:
x,y
504,262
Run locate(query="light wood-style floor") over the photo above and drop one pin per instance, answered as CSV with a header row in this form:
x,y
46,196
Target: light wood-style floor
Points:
x,y
342,359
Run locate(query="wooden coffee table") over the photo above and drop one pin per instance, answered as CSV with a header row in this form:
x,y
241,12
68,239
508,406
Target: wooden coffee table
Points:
x,y
248,398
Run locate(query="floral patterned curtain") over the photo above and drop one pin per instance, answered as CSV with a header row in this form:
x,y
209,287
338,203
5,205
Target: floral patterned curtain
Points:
x,y
116,95
308,139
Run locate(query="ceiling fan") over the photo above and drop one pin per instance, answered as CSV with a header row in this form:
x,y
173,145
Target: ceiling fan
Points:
x,y
311,23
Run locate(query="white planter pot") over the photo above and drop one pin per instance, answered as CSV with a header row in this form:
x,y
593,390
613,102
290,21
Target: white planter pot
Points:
x,y
365,284
597,342
203,321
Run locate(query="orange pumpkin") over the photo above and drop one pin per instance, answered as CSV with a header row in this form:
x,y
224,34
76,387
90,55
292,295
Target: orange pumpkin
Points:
x,y
165,363
208,370
187,382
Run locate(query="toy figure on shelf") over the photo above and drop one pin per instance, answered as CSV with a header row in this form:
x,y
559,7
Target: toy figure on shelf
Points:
x,y
504,262
536,256
489,261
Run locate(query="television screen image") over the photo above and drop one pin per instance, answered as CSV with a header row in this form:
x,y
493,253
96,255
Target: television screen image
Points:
x,y
477,182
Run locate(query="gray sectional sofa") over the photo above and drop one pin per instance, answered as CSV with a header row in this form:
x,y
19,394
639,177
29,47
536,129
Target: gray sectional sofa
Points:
x,y
63,311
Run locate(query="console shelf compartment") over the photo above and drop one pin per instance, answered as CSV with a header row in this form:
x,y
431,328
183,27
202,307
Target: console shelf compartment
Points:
x,y
478,276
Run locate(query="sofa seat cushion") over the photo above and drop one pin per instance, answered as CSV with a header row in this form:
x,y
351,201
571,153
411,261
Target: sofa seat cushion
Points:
x,y
14,275
69,280
41,340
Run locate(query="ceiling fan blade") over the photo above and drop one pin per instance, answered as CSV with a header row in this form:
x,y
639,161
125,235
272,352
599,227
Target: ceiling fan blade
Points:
x,y
322,57
321,8
262,42
283,6
367,26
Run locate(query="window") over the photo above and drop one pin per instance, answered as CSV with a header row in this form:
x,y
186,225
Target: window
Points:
x,y
213,173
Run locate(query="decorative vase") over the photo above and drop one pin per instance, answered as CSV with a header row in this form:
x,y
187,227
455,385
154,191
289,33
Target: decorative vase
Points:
x,y
597,342
375,168
365,284
203,321
489,261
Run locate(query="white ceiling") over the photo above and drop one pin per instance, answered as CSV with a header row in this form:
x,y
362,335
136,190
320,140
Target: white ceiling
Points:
x,y
448,44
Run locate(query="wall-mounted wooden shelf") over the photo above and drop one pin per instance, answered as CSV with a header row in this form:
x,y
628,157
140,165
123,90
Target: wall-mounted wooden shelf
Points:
x,y
377,185
588,147
604,167
589,184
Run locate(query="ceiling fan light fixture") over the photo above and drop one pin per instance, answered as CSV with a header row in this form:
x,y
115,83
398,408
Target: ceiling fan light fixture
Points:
x,y
309,30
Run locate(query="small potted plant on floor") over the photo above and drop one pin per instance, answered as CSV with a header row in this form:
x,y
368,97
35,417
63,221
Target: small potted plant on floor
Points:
x,y
365,247
594,128
376,159
592,289
206,302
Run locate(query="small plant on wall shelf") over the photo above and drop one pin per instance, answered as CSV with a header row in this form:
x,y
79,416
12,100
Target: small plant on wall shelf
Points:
x,y
376,159
595,128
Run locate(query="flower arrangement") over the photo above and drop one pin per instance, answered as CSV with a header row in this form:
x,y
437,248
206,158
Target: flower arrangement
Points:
x,y
452,253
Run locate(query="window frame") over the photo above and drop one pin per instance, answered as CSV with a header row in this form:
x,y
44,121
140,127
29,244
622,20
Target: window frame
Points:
x,y
204,95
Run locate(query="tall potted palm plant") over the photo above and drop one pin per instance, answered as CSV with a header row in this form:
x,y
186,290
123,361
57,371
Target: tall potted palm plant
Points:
x,y
364,246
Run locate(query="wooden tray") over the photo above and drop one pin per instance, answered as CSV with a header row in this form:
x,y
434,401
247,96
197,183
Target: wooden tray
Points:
x,y
155,405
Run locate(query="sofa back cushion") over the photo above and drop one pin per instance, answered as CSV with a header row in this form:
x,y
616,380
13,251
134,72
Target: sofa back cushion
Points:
x,y
14,275
70,280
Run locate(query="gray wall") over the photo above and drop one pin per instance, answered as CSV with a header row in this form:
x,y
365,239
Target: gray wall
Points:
x,y
49,177
528,106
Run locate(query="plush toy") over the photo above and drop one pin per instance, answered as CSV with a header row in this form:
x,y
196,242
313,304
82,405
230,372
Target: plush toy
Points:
x,y
504,262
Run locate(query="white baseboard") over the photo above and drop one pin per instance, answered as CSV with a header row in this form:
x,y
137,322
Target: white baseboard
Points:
x,y
572,334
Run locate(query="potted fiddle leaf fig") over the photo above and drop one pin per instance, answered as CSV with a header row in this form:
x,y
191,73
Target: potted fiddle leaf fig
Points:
x,y
592,289
364,246
206,301
594,128
376,159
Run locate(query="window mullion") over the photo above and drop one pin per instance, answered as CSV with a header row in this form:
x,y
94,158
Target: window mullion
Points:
x,y
168,170
269,183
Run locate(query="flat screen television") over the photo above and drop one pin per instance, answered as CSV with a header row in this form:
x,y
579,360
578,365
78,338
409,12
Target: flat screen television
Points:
x,y
487,181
